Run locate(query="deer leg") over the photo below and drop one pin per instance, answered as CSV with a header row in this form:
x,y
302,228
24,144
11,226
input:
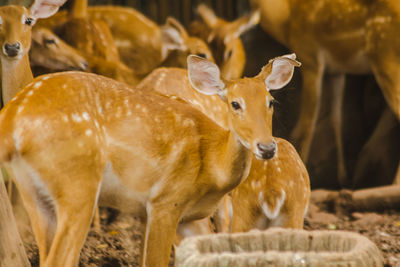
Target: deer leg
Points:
x,y
397,178
161,226
42,219
337,84
76,206
310,103
374,151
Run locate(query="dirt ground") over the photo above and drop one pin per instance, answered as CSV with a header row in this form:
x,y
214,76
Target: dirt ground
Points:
x,y
118,243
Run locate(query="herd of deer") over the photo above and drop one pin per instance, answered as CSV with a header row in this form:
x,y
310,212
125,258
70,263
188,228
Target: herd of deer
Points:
x,y
162,131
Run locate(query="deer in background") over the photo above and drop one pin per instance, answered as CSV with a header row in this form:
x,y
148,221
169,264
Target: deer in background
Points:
x,y
224,39
71,139
276,192
143,46
335,38
49,53
93,39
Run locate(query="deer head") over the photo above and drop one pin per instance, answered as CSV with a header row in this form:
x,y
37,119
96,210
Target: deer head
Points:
x,y
249,102
177,45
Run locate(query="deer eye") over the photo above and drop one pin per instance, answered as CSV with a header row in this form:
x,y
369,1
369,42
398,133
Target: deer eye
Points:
x,y
29,21
202,55
49,41
235,105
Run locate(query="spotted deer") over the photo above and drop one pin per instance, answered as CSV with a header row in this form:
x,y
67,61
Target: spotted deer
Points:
x,y
276,192
224,39
336,38
93,39
144,45
72,139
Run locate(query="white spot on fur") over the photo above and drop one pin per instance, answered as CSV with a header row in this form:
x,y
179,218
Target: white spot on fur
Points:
x,y
88,132
76,117
85,116
37,84
279,169
65,118
20,109
29,93
272,213
188,122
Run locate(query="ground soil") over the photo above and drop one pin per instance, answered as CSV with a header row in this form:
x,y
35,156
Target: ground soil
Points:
x,y
119,240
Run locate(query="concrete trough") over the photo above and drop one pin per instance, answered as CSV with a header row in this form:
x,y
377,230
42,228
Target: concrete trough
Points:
x,y
279,247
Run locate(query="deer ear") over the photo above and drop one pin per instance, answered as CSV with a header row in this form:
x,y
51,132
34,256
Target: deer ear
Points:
x,y
281,73
241,25
45,8
172,39
204,76
207,15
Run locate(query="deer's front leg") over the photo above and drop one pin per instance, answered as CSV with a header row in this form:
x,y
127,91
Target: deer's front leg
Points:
x,y
336,82
310,103
162,222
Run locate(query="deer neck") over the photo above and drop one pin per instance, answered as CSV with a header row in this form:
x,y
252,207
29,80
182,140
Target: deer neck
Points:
x,y
234,163
275,17
15,75
78,9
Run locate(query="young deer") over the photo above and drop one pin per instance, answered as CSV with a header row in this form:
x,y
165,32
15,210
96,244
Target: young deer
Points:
x,y
224,39
93,39
50,53
336,37
47,52
274,194
71,139
15,41
143,46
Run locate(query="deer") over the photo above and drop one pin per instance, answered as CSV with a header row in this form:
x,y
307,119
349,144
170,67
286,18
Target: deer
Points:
x,y
224,39
275,193
93,139
335,38
144,45
49,53
93,39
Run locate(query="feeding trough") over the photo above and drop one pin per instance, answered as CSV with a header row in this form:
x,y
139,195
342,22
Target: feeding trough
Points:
x,y
279,247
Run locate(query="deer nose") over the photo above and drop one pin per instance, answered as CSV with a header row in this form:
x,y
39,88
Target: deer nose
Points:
x,y
267,151
12,50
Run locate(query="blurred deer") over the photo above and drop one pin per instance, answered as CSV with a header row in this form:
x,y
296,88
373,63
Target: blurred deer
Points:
x,y
49,53
93,39
224,39
144,45
71,139
335,38
276,193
